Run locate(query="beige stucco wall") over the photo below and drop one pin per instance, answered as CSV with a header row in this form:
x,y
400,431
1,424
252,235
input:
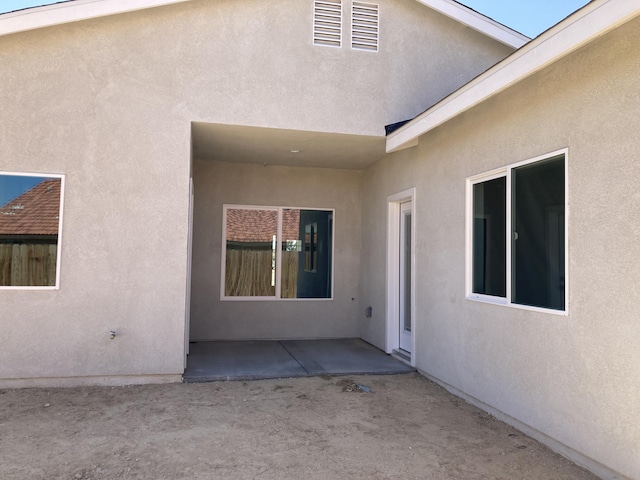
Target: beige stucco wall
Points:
x,y
217,183
108,102
78,101
574,378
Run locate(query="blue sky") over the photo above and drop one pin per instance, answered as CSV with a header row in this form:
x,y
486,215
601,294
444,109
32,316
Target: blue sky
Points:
x,y
13,186
530,17
10,5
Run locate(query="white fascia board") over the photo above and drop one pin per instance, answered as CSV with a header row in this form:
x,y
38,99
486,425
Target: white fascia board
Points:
x,y
477,21
592,21
74,11
77,10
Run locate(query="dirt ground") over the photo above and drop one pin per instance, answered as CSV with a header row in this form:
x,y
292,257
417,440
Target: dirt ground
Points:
x,y
306,428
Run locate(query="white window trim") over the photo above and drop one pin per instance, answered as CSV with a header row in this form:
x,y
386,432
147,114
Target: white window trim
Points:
x,y
276,297
506,172
59,245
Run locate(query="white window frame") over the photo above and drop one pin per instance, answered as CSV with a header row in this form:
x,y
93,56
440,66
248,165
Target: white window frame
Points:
x,y
277,296
506,172
60,221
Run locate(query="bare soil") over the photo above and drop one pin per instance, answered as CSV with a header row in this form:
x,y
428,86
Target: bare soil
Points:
x,y
305,428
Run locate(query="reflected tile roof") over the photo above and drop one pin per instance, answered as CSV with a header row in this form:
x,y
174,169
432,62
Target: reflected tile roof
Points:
x,y
248,225
35,212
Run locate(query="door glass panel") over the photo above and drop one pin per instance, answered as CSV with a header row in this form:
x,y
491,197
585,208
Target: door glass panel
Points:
x,y
29,230
250,269
538,192
405,287
407,273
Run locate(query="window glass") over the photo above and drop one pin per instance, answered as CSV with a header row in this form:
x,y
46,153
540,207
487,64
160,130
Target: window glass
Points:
x,y
538,234
250,266
310,250
302,268
489,237
29,230
520,257
309,274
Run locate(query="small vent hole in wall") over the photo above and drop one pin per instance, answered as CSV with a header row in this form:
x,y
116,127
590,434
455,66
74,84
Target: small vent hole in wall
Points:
x,y
364,26
327,23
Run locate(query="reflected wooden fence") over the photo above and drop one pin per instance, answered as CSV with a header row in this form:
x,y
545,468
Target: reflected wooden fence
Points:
x,y
28,265
248,273
290,274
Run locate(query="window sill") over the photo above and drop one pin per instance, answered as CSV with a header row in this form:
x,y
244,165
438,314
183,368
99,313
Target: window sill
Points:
x,y
272,299
30,288
505,303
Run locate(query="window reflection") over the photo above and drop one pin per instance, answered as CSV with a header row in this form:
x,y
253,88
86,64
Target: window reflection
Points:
x,y
29,230
250,269
308,272
302,269
291,248
310,250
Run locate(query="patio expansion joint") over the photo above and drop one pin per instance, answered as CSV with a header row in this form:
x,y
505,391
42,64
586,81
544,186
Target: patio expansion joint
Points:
x,y
301,358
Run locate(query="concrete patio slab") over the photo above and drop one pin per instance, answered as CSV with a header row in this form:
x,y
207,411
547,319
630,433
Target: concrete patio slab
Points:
x,y
346,356
250,360
254,360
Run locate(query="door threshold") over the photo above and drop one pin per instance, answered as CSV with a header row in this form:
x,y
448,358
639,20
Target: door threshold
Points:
x,y
402,355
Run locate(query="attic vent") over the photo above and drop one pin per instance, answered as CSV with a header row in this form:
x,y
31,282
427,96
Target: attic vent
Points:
x,y
327,23
364,26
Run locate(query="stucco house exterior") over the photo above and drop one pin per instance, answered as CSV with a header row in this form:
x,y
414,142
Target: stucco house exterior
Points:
x,y
491,240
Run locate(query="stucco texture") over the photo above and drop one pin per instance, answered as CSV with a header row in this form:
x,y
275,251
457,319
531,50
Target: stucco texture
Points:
x,y
573,378
109,103
218,183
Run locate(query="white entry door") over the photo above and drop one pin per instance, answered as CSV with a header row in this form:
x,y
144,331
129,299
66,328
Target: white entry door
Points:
x,y
405,313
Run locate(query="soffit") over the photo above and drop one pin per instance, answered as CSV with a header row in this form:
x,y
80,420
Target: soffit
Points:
x,y
273,146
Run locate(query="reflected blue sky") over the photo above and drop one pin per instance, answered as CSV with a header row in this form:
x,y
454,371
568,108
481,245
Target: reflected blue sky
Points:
x,y
12,186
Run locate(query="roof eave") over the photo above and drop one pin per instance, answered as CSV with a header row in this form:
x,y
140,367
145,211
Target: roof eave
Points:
x,y
594,20
71,11
478,22
77,10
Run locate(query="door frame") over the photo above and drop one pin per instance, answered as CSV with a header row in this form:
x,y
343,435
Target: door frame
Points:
x,y
393,270
187,313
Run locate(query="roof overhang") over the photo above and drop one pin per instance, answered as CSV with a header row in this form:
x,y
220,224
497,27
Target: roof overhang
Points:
x,y
592,21
477,21
77,10
71,11
275,146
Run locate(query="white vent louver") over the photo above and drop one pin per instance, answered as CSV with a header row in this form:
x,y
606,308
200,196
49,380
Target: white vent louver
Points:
x,y
327,23
364,26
